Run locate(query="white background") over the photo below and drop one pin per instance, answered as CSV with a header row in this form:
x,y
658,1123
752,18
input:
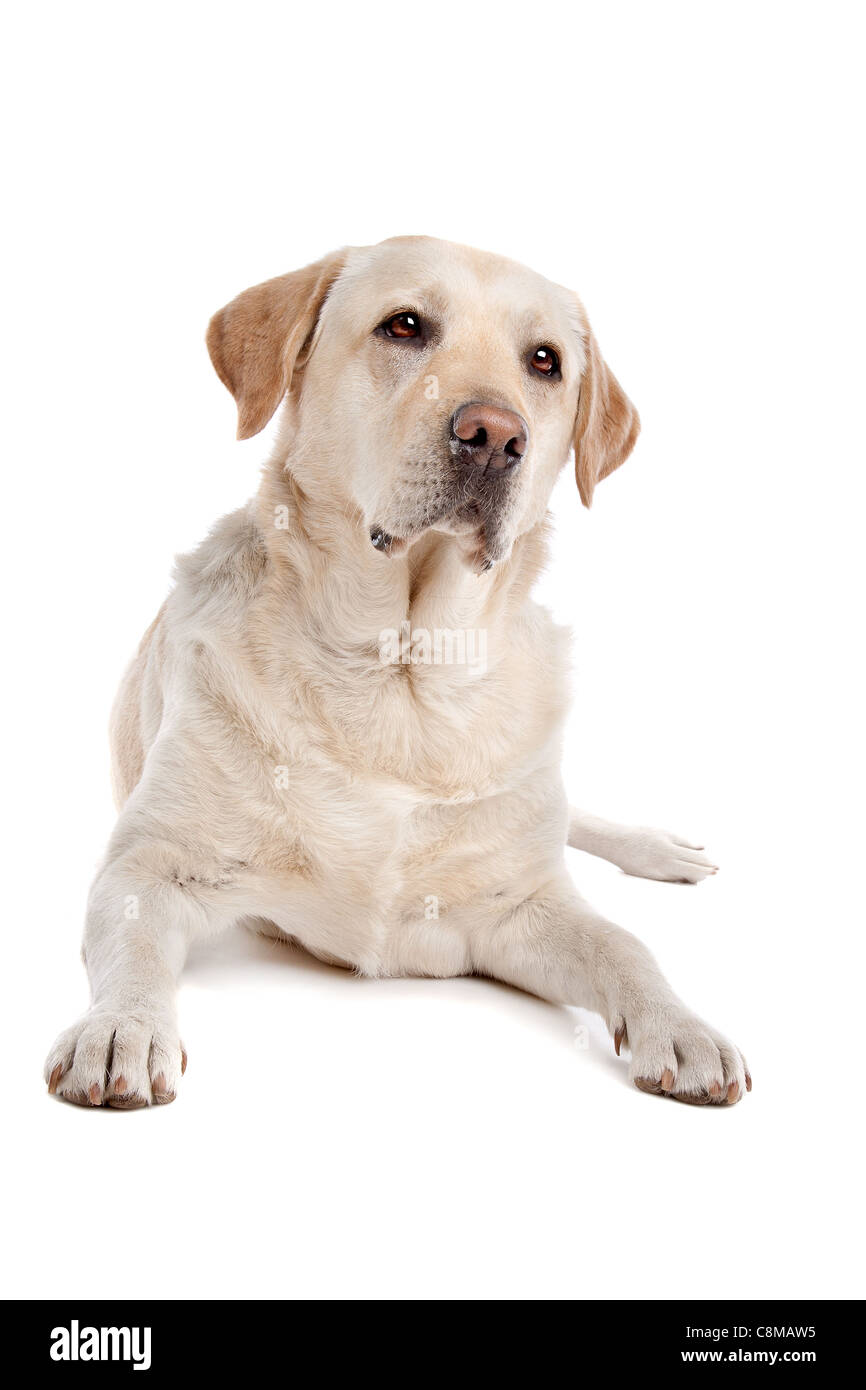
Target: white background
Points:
x,y
695,173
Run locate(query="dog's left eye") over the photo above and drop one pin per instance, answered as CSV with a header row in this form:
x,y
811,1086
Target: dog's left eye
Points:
x,y
402,326
545,361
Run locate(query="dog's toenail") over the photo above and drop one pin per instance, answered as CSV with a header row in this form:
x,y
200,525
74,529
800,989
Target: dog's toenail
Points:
x,y
748,1082
715,1089
619,1038
646,1083
733,1092
120,1086
96,1094
159,1085
54,1078
182,1061
667,1081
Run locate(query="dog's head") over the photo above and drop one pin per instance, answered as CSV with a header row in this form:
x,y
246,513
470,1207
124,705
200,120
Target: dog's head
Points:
x,y
429,387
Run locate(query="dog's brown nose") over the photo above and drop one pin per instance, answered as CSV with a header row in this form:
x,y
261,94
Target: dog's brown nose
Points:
x,y
486,436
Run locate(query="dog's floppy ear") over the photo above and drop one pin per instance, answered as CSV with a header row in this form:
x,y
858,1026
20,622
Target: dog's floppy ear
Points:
x,y
607,423
255,342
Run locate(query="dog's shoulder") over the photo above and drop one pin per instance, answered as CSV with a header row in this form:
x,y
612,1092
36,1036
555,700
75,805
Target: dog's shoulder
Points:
x,y
230,564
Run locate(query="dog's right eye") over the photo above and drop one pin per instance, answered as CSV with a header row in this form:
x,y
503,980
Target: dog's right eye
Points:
x,y
402,326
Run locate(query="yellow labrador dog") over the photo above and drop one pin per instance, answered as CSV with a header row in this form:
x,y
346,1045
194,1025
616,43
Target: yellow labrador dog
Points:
x,y
344,726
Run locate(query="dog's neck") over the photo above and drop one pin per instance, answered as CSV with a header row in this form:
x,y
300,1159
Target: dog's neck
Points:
x,y
353,594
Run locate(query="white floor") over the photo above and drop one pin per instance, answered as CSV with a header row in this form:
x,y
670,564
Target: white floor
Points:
x,y
692,179
407,1139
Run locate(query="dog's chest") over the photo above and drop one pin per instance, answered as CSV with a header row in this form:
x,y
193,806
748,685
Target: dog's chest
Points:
x,y
394,880
399,846
406,795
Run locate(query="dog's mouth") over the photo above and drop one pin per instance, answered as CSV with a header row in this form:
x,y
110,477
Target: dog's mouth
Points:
x,y
468,522
383,540
478,522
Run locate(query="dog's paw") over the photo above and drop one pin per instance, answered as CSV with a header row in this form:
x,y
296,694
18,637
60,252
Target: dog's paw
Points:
x,y
649,853
121,1059
676,1054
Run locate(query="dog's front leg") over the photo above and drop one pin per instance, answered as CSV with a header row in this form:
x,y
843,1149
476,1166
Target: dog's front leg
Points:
x,y
145,908
556,946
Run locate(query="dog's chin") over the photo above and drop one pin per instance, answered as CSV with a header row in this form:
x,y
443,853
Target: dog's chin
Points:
x,y
482,535
480,544
481,540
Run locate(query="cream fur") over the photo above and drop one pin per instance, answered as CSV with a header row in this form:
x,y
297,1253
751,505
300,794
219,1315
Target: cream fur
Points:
x,y
403,817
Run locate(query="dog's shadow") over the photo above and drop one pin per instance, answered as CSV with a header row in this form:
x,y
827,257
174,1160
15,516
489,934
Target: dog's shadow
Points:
x,y
244,957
